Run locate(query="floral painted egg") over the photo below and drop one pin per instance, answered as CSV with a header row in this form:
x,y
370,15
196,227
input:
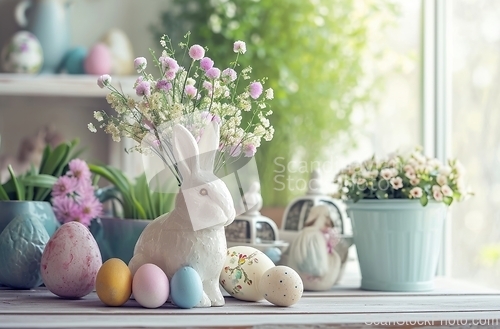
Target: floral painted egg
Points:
x,y
22,54
71,261
242,272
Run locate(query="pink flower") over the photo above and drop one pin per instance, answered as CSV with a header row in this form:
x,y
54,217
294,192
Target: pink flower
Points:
x,y
143,89
169,64
209,117
79,169
240,47
416,192
190,91
255,89
170,75
103,80
213,73
446,190
397,183
64,208
438,196
249,150
206,63
64,185
163,85
140,64
196,52
228,75
90,207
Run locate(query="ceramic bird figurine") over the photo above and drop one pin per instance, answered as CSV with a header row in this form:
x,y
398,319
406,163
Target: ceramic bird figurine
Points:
x,y
312,253
193,233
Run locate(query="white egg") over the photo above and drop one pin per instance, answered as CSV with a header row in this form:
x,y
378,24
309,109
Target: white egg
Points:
x,y
121,51
281,286
242,271
22,54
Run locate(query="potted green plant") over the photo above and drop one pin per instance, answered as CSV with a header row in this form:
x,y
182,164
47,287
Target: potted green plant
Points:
x,y
398,207
30,192
133,205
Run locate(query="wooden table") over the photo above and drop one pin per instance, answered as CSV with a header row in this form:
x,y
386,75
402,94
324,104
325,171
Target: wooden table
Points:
x,y
451,303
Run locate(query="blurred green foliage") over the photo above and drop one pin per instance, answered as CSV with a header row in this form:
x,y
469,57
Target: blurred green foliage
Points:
x,y
315,54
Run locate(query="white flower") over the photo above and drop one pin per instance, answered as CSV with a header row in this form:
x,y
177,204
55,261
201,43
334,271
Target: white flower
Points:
x,y
361,181
386,173
410,174
240,47
414,181
445,170
190,81
446,190
409,169
438,196
98,116
91,127
416,192
436,188
441,180
269,93
397,183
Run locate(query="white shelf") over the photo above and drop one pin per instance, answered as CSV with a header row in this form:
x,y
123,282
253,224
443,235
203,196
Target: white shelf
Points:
x,y
59,85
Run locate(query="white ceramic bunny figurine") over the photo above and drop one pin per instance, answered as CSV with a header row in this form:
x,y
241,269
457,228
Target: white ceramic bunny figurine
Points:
x,y
193,233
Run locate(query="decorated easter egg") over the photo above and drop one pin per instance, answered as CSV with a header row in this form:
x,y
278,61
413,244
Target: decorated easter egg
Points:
x,y
186,288
113,283
21,247
73,62
98,60
22,54
122,54
281,286
150,286
70,261
243,268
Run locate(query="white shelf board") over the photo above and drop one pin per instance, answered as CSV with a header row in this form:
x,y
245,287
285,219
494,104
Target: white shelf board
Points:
x,y
59,85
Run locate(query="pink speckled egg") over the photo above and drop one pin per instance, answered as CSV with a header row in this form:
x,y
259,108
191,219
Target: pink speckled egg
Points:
x,y
98,60
70,261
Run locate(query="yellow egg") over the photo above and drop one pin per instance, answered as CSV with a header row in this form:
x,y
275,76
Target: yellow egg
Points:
x,y
114,282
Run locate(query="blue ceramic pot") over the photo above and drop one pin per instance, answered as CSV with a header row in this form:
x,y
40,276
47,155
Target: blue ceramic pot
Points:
x,y
43,210
398,243
117,237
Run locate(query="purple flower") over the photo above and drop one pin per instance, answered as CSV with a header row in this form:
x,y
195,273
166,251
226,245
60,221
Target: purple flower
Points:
x,y
163,85
79,169
140,64
191,91
64,185
169,64
209,117
64,208
213,73
103,80
90,208
143,89
206,63
255,89
228,75
240,47
196,52
169,75
249,150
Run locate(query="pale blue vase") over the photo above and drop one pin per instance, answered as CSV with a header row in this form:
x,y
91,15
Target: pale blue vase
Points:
x,y
48,21
398,243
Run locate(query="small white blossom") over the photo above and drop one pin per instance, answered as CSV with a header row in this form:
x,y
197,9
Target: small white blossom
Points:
x,y
397,183
386,173
269,94
441,180
416,192
92,127
98,116
446,190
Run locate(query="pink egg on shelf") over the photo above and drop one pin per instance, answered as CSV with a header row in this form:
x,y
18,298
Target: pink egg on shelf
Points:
x,y
150,286
98,60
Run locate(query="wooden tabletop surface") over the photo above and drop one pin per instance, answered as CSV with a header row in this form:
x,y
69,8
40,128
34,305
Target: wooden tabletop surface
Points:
x,y
345,306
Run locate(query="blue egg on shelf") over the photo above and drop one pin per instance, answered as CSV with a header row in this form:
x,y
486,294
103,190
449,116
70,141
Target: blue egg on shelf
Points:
x,y
73,63
186,288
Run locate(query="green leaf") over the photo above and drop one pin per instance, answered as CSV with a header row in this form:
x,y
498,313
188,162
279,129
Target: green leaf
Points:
x,y
424,200
54,159
20,192
448,200
381,194
41,180
3,194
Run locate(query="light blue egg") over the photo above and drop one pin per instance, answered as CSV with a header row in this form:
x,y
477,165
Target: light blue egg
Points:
x,y
186,289
274,254
73,62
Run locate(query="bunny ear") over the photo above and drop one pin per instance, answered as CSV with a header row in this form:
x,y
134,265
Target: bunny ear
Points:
x,y
208,146
185,151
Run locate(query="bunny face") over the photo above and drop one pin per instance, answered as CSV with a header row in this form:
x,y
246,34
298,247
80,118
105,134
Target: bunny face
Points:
x,y
207,198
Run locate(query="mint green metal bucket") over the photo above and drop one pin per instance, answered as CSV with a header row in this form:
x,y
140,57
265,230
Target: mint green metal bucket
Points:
x,y
398,243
